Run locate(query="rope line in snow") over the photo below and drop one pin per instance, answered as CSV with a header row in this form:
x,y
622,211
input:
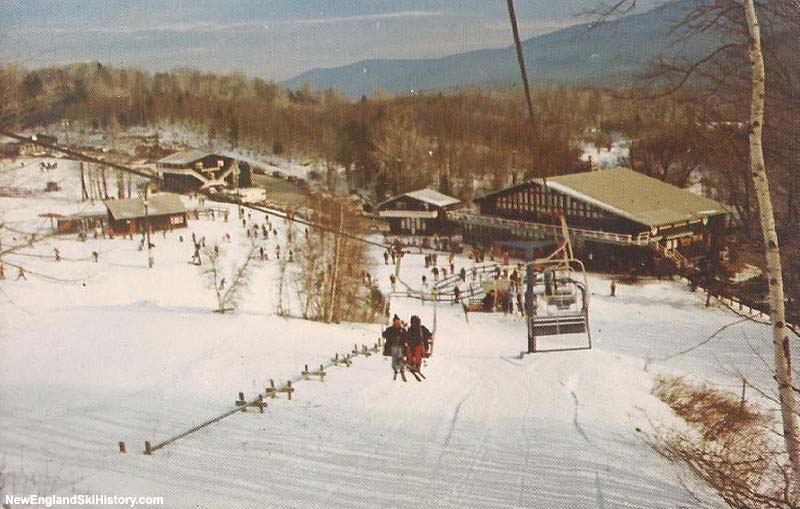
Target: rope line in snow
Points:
x,y
242,405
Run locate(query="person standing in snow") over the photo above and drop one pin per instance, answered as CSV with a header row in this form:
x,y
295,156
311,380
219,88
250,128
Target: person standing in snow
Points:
x,y
489,301
393,281
21,274
519,300
508,301
613,288
57,254
95,255
394,346
196,256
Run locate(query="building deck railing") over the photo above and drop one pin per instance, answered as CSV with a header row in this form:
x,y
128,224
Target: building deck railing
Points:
x,y
468,218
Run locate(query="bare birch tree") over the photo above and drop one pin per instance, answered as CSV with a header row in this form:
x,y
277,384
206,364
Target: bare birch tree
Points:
x,y
722,14
780,335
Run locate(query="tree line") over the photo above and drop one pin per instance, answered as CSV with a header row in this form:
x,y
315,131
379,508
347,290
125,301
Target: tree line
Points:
x,y
463,142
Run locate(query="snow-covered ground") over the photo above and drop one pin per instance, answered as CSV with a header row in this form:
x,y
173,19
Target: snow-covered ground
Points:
x,y
606,157
179,135
96,353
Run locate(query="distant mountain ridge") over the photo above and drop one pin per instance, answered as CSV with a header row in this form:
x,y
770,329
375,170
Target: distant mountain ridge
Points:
x,y
608,54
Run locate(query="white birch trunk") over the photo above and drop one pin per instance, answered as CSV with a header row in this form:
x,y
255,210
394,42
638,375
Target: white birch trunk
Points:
x,y
780,337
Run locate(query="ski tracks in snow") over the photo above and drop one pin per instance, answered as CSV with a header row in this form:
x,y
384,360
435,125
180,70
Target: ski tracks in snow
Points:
x,y
569,385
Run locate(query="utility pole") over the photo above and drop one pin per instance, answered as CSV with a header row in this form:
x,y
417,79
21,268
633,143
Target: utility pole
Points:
x,y
336,256
84,194
103,180
147,230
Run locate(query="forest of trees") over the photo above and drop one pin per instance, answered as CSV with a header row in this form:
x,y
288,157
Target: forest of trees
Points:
x,y
463,142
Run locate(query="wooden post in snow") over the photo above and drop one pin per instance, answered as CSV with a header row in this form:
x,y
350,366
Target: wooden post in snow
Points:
x,y
777,311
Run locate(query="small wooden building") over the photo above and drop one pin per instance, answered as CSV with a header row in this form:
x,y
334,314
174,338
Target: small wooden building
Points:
x,y
614,213
86,222
34,150
422,212
10,149
192,170
164,211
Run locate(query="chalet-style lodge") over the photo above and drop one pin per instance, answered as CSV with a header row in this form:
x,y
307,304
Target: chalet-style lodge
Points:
x,y
616,218
193,170
422,212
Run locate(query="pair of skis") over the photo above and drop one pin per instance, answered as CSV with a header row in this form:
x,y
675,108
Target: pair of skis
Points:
x,y
417,374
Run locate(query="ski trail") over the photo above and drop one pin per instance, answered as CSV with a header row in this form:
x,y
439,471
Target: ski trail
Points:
x,y
599,491
479,450
568,385
575,422
454,418
526,438
354,471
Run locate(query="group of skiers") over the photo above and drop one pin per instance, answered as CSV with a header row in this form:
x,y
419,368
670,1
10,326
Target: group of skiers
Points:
x,y
434,242
478,254
407,346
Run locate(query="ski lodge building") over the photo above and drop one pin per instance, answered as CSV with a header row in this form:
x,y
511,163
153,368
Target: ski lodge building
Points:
x,y
617,218
163,211
422,212
193,170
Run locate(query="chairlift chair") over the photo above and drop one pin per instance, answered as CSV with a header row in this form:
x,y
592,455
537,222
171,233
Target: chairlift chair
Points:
x,y
564,288
565,308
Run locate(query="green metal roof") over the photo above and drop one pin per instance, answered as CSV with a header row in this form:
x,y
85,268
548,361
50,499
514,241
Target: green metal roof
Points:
x,y
636,196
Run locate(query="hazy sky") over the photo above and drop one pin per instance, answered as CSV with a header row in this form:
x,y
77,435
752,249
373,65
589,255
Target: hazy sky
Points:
x,y
274,39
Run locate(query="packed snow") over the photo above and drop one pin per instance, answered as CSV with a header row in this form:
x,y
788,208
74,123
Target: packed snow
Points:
x,y
606,157
100,352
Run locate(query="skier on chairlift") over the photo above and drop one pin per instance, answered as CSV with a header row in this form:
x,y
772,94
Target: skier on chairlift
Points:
x,y
418,340
394,346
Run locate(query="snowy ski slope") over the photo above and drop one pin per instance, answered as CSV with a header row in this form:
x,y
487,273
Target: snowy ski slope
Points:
x,y
95,353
